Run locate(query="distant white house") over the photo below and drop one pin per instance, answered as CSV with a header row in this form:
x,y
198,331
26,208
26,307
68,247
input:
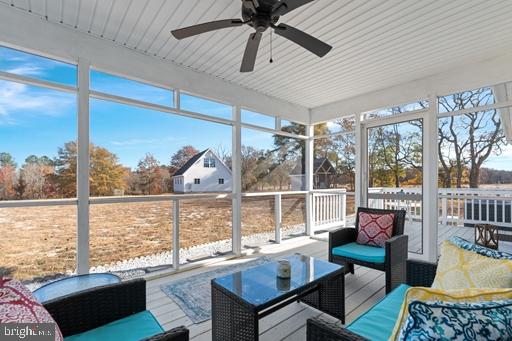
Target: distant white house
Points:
x,y
203,172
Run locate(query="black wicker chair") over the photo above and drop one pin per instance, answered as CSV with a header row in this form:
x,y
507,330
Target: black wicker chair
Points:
x,y
89,309
395,249
418,274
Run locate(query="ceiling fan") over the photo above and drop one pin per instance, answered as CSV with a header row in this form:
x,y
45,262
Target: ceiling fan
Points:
x,y
261,14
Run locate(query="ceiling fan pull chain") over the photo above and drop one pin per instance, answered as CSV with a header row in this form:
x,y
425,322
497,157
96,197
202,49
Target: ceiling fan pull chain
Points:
x,y
271,60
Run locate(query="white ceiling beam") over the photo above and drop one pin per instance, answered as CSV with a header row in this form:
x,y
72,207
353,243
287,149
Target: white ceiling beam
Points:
x,y
33,34
470,76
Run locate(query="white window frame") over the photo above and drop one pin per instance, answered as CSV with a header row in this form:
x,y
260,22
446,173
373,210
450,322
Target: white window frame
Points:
x,y
209,162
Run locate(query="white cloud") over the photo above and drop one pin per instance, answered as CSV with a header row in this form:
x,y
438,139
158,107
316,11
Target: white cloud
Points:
x,y
19,99
26,70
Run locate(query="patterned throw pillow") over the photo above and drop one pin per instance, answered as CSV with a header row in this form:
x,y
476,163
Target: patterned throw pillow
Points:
x,y
374,229
481,250
454,296
458,321
465,265
18,305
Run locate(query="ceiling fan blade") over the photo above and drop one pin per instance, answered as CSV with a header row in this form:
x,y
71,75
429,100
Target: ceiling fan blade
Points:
x,y
190,31
303,39
285,6
251,51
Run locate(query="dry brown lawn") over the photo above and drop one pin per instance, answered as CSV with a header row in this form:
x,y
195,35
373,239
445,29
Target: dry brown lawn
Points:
x,y
40,241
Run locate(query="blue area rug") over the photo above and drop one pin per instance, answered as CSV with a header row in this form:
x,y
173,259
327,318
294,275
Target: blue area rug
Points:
x,y
193,293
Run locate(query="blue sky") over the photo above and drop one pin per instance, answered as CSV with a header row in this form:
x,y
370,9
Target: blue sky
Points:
x,y
37,121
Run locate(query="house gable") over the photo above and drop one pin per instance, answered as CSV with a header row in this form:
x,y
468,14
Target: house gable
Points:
x,y
204,172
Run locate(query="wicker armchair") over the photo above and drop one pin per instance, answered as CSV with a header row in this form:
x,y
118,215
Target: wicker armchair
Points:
x,y
89,309
418,274
394,264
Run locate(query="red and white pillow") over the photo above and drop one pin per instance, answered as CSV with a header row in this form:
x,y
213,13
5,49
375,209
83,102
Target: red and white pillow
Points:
x,y
18,305
375,229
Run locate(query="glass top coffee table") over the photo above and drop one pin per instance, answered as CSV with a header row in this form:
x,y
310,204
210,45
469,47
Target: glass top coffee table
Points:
x,y
239,300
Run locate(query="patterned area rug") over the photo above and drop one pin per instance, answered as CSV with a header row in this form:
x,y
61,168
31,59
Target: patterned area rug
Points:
x,y
193,293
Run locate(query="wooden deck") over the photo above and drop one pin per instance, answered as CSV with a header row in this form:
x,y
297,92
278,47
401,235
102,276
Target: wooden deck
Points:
x,y
362,290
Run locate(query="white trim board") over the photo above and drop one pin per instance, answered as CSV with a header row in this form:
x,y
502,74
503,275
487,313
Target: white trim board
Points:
x,y
470,76
33,34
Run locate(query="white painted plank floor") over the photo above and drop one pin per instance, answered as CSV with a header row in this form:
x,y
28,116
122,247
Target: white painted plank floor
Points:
x,y
362,290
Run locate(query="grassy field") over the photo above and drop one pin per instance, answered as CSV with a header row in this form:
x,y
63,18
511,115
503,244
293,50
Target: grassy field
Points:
x,y
40,241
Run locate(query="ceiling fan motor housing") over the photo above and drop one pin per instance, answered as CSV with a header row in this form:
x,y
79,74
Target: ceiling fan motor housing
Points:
x,y
262,18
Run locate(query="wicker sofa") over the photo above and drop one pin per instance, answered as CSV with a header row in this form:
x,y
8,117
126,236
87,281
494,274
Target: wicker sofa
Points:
x,y
112,312
378,322
390,259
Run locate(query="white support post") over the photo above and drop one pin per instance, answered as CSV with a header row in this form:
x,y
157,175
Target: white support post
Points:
x,y
176,234
308,180
177,99
278,217
360,181
444,210
430,192
278,123
82,191
236,167
344,209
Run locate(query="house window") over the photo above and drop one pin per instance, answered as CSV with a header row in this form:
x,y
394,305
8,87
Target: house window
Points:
x,y
197,181
221,181
209,162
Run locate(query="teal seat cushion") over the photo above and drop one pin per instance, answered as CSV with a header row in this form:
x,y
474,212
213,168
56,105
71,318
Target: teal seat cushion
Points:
x,y
134,327
365,253
378,322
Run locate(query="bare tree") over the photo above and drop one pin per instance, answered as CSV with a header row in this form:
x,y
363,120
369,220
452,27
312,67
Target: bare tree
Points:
x,y
466,141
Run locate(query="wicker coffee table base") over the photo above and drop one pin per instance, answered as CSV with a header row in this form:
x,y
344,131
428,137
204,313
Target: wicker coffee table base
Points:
x,y
235,319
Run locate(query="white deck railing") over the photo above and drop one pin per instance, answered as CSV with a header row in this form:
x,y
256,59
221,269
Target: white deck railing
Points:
x,y
329,208
457,206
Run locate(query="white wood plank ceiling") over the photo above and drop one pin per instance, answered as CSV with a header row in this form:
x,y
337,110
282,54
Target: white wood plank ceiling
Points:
x,y
377,43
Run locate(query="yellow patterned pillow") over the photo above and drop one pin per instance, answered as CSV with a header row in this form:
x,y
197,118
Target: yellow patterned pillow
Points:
x,y
460,268
457,296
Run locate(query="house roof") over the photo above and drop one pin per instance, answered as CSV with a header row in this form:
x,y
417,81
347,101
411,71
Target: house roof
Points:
x,y
317,163
190,162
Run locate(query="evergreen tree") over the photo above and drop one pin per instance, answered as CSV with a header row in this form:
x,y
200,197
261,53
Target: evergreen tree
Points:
x,y
7,159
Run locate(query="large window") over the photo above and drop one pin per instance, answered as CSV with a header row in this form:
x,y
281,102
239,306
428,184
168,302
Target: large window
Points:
x,y
137,152
32,66
334,155
271,162
107,83
475,162
293,127
258,119
45,169
144,148
395,110
37,162
205,106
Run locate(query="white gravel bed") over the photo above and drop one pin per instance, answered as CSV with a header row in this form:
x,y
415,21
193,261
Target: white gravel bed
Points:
x,y
136,267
